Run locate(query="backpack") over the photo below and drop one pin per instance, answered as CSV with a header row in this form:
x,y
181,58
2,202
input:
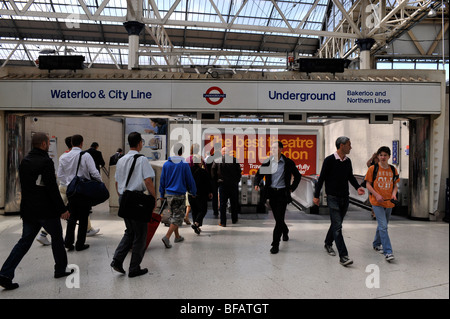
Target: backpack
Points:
x,y
375,172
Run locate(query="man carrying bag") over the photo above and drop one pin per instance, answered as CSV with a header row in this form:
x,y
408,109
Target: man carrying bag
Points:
x,y
132,187
71,166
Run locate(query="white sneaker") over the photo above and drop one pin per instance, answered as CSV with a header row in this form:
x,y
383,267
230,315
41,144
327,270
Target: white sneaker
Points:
x,y
43,239
389,257
378,249
92,232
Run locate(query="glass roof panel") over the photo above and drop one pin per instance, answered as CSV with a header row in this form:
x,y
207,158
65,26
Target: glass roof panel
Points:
x,y
256,17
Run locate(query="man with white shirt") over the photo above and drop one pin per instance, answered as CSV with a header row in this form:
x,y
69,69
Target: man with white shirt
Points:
x,y
136,231
282,178
79,211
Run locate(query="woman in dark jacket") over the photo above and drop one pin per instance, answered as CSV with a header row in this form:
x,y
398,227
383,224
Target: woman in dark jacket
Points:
x,y
199,203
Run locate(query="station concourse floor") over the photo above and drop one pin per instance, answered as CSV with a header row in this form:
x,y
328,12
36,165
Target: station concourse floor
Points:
x,y
235,262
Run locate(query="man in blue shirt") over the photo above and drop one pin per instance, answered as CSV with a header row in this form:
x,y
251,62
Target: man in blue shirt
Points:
x,y
176,179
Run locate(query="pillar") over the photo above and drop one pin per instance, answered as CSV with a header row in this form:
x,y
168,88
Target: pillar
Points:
x,y
134,28
3,150
364,46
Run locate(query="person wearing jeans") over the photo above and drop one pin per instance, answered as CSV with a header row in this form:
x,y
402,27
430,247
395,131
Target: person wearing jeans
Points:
x,y
338,208
336,173
382,183
382,242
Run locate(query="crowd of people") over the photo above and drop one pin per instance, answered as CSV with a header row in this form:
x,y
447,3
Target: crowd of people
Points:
x,y
184,182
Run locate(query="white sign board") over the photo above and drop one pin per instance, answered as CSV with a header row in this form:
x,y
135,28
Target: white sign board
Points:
x,y
243,96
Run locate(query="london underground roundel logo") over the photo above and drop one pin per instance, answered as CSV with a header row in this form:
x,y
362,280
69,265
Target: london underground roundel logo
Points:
x,y
211,94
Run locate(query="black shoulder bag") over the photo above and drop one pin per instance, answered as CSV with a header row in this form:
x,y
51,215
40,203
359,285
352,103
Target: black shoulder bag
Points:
x,y
136,205
88,191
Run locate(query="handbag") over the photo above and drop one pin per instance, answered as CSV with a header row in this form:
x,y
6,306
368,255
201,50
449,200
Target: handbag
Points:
x,y
89,191
136,205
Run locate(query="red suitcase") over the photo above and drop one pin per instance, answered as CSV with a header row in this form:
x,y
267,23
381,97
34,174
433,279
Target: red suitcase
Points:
x,y
152,226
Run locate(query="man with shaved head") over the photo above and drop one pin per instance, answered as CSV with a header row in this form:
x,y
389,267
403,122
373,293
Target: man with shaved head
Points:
x,y
41,206
226,172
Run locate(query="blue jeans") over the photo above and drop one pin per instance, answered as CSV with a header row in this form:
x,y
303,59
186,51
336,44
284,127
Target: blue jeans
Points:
x,y
381,236
338,208
29,232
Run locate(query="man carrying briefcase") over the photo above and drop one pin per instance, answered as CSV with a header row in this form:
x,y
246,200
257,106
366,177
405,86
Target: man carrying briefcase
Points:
x,y
136,230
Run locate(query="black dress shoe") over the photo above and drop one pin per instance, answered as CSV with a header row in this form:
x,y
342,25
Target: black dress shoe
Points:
x,y
274,250
139,272
82,247
196,229
285,237
117,267
7,283
63,274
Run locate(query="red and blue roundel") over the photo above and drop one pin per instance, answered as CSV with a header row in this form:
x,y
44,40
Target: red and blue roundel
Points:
x,y
220,96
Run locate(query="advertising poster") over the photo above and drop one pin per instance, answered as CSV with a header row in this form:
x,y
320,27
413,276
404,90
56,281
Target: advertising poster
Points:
x,y
251,151
153,133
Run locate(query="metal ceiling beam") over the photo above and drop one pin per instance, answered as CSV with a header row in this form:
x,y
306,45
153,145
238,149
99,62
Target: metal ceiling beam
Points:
x,y
147,51
390,20
348,18
282,16
200,24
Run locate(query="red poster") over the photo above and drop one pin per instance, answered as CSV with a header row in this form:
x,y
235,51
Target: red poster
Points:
x,y
251,151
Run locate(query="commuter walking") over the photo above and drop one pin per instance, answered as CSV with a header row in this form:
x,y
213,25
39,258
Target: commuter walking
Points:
x,y
42,237
96,155
91,231
372,161
99,163
226,171
209,160
115,157
282,178
79,210
176,179
41,206
199,203
195,148
136,231
382,183
336,173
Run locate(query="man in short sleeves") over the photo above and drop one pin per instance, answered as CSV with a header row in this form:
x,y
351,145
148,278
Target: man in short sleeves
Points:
x,y
136,231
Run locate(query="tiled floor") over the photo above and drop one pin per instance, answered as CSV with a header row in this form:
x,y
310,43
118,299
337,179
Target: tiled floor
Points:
x,y
235,262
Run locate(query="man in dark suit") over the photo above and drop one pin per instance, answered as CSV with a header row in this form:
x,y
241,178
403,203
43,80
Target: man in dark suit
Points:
x,y
41,206
97,156
226,172
278,171
115,158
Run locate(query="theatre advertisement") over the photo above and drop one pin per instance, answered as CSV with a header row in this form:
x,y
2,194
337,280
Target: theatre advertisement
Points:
x,y
251,150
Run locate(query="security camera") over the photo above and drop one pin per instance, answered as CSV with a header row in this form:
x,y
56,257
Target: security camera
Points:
x,y
35,119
